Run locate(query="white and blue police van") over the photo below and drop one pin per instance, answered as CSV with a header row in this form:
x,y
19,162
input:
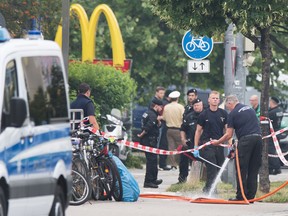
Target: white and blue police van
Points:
x,y
35,146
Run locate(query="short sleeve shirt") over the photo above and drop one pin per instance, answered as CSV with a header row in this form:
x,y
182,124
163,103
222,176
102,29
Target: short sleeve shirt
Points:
x,y
213,124
244,121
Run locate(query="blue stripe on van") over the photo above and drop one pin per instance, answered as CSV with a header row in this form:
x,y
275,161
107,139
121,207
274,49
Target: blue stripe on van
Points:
x,y
42,163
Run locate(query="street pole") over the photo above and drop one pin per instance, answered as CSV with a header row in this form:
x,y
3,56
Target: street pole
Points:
x,y
65,32
239,84
228,67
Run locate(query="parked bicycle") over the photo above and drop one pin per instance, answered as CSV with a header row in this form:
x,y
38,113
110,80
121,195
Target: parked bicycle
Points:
x,y
90,152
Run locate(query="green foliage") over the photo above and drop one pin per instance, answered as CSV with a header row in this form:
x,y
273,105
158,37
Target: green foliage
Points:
x,y
155,49
18,15
110,87
134,161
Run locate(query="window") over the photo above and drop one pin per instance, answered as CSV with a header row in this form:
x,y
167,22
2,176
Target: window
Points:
x,y
10,90
46,89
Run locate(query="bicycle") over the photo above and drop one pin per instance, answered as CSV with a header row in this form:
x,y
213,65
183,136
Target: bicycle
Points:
x,y
91,152
199,43
81,190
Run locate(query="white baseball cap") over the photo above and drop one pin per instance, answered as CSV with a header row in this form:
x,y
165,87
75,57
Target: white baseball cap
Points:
x,y
174,94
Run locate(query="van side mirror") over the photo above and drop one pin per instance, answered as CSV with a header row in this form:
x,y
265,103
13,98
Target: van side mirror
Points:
x,y
18,112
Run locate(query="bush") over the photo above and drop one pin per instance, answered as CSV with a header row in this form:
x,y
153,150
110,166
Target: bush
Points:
x,y
110,88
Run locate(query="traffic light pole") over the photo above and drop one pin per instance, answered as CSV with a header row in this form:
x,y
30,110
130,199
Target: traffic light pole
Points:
x,y
65,32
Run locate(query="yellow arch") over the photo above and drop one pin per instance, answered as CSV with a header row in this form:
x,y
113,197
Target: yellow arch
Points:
x,y
89,29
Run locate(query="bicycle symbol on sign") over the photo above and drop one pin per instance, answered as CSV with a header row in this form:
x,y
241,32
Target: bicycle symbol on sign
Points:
x,y
199,43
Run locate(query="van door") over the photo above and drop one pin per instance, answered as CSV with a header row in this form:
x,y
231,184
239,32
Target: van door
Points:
x,y
13,141
48,108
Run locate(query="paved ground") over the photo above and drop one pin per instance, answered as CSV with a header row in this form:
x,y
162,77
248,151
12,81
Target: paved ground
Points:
x,y
151,207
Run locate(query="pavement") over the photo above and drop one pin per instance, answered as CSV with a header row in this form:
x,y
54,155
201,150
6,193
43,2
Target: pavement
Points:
x,y
171,177
170,207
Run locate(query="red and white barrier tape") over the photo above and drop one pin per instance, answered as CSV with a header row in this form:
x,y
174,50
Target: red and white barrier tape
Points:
x,y
137,145
276,133
276,144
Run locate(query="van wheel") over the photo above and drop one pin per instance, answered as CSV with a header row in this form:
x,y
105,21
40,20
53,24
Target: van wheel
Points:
x,y
3,204
58,208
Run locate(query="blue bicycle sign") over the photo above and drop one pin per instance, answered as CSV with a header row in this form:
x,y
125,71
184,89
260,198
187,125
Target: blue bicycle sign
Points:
x,y
196,48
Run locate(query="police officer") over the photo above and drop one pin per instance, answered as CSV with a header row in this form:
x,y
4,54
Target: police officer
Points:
x,y
84,102
275,115
243,120
211,125
148,137
187,132
191,96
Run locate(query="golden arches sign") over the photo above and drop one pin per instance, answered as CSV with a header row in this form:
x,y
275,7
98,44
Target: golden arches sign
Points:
x,y
89,29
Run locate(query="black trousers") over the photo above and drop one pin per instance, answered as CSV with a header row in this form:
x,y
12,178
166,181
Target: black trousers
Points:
x,y
151,167
214,154
184,163
274,163
163,144
250,157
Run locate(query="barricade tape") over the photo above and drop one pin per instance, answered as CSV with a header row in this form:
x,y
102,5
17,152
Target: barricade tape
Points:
x,y
276,133
137,145
276,144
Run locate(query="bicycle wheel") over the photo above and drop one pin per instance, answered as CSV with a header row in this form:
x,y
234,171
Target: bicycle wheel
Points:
x,y
81,190
104,169
117,191
95,184
80,166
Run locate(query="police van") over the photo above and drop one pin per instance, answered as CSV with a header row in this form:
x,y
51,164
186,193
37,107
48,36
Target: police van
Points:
x,y
35,147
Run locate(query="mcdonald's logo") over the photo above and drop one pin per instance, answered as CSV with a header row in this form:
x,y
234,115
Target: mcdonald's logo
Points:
x,y
89,29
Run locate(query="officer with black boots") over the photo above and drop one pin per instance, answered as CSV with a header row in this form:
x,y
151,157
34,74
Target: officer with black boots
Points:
x,y
187,132
275,115
148,137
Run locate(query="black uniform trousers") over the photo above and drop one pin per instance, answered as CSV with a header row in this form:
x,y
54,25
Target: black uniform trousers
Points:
x,y
184,164
151,161
274,163
250,157
214,154
163,144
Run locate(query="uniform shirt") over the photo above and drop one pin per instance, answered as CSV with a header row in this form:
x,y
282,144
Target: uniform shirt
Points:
x,y
189,125
244,121
85,103
213,124
276,115
173,114
188,109
150,123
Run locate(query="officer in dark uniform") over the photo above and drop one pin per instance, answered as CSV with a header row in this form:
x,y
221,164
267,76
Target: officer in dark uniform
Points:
x,y
211,125
84,102
275,115
187,132
148,137
191,96
243,120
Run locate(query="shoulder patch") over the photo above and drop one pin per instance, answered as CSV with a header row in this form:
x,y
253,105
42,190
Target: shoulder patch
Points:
x,y
145,115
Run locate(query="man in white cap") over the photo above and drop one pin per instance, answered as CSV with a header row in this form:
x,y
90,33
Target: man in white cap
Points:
x,y
172,114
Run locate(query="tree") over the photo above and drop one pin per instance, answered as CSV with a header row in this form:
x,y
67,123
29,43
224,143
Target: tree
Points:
x,y
18,15
155,49
255,20
110,87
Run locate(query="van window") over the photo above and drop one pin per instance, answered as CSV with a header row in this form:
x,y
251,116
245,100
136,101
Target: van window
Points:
x,y
10,90
46,89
